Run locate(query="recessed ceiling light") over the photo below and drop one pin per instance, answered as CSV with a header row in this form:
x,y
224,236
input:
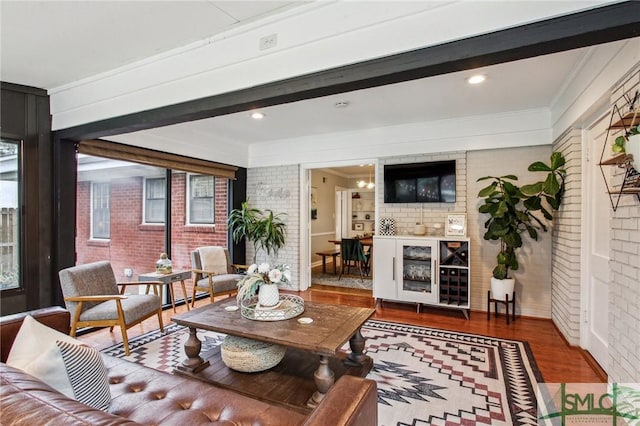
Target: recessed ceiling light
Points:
x,y
476,79
257,115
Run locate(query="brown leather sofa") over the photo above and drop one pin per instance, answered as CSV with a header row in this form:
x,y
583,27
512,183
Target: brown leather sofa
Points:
x,y
141,395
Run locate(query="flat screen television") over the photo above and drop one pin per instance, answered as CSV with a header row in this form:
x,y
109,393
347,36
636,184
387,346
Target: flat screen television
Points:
x,y
429,182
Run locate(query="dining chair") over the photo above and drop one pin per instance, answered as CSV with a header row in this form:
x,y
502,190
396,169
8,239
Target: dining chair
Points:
x,y
95,299
352,254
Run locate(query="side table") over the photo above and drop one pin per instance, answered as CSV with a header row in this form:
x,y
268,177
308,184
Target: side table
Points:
x,y
506,302
169,279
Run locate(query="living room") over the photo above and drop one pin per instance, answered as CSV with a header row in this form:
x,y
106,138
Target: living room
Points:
x,y
277,172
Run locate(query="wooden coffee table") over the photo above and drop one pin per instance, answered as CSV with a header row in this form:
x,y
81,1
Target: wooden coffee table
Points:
x,y
311,365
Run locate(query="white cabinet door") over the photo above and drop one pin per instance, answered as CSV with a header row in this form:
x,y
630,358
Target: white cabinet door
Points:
x,y
384,268
416,262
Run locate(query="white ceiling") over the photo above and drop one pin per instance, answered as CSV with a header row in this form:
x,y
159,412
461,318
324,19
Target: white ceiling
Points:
x,y
78,39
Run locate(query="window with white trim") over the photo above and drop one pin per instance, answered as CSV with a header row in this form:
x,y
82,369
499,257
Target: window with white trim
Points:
x,y
201,200
100,210
154,200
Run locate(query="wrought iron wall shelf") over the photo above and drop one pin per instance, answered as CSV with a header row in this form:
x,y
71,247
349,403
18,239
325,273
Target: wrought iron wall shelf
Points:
x,y
625,114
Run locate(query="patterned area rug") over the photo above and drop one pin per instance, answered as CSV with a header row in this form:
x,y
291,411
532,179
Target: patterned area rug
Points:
x,y
348,281
425,376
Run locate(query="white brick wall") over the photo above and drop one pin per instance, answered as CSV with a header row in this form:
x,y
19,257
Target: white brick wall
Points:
x,y
624,293
278,189
533,279
566,252
407,215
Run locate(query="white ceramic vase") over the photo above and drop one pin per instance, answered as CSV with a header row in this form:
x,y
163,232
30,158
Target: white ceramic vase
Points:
x,y
633,147
268,295
500,288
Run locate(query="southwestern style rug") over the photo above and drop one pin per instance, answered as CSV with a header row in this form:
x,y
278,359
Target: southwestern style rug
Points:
x,y
425,376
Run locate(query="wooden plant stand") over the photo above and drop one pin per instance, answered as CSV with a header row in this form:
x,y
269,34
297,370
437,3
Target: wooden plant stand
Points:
x,y
506,302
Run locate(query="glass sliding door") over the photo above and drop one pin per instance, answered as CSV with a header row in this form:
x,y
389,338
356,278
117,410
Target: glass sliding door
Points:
x,y
122,216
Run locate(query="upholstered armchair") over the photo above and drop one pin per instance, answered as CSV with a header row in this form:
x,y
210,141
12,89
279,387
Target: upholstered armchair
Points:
x,y
91,295
213,272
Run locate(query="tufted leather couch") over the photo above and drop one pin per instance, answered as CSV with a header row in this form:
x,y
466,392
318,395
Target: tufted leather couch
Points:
x,y
141,395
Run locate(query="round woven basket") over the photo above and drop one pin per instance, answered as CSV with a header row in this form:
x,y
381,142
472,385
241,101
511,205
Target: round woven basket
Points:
x,y
249,356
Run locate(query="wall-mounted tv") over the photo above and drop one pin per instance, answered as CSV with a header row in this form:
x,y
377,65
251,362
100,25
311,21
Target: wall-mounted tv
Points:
x,y
429,182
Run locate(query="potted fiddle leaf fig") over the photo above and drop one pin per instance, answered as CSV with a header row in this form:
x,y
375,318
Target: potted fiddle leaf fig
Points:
x,y
513,210
265,230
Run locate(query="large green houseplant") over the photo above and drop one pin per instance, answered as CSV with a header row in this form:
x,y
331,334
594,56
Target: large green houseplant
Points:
x,y
513,210
265,230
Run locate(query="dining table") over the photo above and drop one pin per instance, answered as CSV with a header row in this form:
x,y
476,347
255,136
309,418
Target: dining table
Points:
x,y
366,241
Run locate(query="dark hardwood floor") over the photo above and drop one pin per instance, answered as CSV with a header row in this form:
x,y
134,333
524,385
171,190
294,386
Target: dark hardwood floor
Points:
x,y
557,360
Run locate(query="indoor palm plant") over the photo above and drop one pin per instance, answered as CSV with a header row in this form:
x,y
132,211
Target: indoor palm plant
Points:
x,y
513,210
266,230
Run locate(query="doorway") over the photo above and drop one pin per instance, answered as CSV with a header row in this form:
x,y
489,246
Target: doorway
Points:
x,y
595,305
330,187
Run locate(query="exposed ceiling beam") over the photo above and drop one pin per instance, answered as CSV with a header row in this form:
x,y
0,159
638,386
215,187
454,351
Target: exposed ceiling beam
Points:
x,y
596,26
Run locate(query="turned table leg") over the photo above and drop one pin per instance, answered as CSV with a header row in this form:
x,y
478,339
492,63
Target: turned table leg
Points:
x,y
194,362
356,343
324,379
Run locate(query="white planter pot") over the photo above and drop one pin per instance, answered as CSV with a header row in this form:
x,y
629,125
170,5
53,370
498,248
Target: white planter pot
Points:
x,y
633,147
268,295
500,288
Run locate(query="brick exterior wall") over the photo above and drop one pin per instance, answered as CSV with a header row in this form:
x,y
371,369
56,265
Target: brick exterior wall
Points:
x,y
136,245
567,241
278,189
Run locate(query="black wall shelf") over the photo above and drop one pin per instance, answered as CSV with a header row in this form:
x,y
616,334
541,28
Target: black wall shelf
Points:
x,y
625,114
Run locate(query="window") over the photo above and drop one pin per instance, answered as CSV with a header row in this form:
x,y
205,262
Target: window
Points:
x,y
154,200
201,203
100,211
10,187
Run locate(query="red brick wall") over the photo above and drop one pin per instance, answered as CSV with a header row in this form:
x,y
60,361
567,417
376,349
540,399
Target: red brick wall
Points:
x,y
185,238
138,246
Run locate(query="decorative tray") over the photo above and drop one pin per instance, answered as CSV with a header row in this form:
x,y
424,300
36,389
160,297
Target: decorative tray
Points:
x,y
290,306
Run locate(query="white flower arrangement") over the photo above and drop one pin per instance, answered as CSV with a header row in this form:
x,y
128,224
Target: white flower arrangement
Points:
x,y
258,275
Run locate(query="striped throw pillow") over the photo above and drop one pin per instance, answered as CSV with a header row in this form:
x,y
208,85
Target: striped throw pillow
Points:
x,y
87,374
